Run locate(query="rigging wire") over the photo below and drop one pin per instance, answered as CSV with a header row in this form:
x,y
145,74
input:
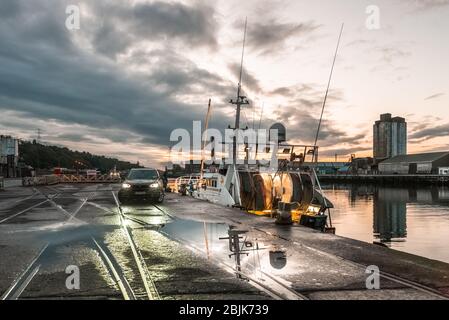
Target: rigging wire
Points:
x,y
327,93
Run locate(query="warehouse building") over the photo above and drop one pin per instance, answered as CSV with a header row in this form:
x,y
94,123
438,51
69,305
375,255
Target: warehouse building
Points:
x,y
425,163
9,156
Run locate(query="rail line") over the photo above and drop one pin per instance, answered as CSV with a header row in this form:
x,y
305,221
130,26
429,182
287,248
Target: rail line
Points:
x,y
84,201
399,280
24,279
25,210
55,205
150,287
22,282
113,268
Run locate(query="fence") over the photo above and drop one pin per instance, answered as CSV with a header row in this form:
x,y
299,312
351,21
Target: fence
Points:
x,y
106,178
68,179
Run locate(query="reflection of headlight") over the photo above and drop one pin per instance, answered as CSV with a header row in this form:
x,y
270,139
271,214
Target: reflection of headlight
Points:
x,y
154,185
126,186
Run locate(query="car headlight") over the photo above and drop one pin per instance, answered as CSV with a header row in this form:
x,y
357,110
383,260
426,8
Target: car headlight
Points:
x,y
154,185
126,186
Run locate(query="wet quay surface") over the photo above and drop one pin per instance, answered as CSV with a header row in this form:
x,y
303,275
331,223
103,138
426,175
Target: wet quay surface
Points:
x,y
63,226
178,250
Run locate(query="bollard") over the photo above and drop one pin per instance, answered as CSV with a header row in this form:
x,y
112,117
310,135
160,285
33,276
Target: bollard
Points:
x,y
2,184
284,213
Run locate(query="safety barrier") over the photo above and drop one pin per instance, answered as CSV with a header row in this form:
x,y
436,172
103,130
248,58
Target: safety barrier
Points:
x,y
40,181
68,179
107,178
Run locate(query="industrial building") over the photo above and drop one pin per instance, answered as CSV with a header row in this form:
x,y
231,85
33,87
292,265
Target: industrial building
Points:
x,y
390,137
329,168
425,163
9,156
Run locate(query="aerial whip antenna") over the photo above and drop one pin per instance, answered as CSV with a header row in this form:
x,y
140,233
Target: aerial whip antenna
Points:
x,y
261,115
240,99
243,53
326,95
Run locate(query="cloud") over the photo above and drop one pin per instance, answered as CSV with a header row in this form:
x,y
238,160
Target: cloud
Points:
x,y
392,53
430,133
124,24
45,75
434,96
425,5
249,80
272,36
302,126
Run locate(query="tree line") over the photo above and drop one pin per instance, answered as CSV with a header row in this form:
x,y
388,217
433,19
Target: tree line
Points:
x,y
41,156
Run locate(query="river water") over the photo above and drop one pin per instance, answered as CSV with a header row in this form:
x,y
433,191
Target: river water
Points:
x,y
413,219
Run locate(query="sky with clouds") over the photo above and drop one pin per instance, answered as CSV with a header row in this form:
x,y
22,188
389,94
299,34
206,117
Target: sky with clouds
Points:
x,y
136,70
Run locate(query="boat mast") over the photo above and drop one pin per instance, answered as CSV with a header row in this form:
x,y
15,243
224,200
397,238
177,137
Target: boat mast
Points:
x,y
241,100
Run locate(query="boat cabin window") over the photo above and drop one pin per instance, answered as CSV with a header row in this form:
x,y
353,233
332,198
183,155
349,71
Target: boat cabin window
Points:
x,y
213,183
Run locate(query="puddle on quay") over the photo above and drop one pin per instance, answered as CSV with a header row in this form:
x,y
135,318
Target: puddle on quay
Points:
x,y
239,249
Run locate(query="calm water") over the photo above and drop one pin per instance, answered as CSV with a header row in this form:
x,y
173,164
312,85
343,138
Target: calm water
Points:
x,y
413,220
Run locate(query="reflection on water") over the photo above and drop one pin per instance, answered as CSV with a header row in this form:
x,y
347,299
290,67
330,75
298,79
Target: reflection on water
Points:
x,y
390,215
241,248
414,219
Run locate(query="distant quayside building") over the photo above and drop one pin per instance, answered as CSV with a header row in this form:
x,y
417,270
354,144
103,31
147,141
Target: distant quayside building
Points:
x,y
390,137
424,163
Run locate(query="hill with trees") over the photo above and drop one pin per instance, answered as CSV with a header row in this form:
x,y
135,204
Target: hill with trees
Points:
x,y
48,157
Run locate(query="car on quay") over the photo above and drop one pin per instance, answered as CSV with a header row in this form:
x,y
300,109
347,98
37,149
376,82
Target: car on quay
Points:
x,y
142,185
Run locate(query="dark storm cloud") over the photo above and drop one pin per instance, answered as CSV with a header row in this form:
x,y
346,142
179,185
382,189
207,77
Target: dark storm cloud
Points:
x,y
45,75
429,133
272,36
75,137
180,76
9,9
123,24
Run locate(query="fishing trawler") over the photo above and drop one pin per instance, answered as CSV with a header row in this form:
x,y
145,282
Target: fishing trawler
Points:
x,y
291,193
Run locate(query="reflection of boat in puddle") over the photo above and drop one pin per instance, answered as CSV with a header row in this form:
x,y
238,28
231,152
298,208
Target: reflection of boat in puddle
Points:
x,y
224,242
252,259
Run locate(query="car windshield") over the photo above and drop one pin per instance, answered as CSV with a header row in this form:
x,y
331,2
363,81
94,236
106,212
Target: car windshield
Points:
x,y
143,175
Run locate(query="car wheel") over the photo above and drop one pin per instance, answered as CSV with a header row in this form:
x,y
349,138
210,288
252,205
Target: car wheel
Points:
x,y
122,200
161,198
